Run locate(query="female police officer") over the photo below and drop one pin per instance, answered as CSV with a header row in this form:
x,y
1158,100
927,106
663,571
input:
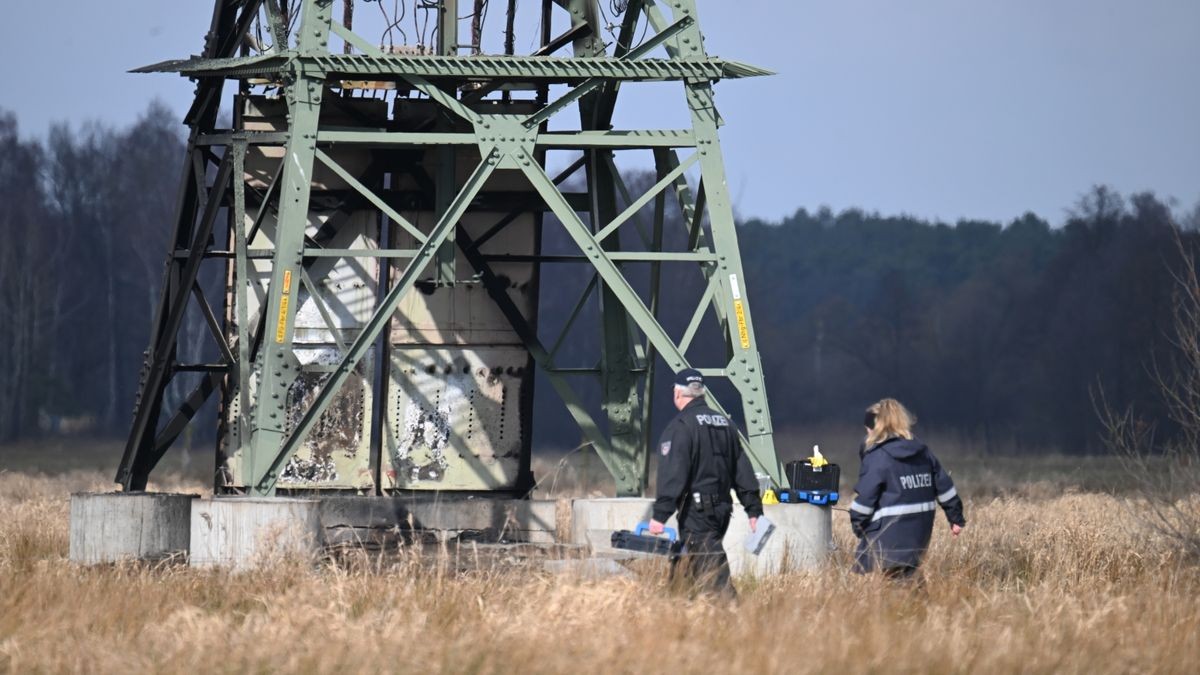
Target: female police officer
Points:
x,y
899,485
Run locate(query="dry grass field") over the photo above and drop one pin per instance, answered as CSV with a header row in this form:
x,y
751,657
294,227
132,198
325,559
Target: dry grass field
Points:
x,y
1049,577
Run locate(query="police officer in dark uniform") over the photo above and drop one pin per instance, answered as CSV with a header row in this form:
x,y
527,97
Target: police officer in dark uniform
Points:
x,y
700,461
900,485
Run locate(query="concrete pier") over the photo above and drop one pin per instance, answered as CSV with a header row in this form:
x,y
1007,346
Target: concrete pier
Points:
x,y
244,532
116,526
801,540
383,520
594,520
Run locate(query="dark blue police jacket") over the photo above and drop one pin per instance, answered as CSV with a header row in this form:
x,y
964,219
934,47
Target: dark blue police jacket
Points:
x,y
899,486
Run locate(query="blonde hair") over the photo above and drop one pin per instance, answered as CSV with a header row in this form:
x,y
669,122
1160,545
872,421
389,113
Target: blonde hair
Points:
x,y
892,420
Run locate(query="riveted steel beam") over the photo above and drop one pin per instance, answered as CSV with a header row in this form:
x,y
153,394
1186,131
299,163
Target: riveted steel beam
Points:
x,y
549,69
241,277
641,139
278,367
276,26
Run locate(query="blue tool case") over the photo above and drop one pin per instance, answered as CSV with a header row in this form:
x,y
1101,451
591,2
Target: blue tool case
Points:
x,y
641,542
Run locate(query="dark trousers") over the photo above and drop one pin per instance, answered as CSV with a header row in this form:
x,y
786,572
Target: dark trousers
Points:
x,y
703,563
901,572
869,559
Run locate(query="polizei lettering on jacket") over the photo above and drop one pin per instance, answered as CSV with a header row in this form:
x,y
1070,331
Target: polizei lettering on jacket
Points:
x,y
713,420
916,480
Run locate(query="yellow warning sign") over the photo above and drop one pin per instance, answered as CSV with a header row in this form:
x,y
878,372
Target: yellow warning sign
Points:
x,y
281,325
743,332
287,281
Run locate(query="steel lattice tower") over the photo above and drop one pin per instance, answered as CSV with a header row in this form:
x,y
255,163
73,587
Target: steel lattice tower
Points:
x,y
369,341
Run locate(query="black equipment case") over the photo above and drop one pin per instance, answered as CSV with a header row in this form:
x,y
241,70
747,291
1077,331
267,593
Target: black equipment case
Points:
x,y
803,476
647,543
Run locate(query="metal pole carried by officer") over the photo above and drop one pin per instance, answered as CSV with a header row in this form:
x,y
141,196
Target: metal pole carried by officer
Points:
x,y
700,461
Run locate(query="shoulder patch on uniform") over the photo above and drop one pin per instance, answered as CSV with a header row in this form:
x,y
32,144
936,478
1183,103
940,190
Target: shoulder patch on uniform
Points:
x,y
665,448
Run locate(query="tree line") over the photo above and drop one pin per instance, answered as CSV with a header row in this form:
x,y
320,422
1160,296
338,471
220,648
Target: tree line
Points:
x,y
1002,332
85,220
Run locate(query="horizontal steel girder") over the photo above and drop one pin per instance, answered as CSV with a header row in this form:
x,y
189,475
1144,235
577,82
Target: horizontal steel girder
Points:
x,y
523,68
613,140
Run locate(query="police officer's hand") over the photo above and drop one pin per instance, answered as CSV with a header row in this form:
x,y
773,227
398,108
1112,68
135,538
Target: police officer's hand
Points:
x,y
754,524
955,529
655,527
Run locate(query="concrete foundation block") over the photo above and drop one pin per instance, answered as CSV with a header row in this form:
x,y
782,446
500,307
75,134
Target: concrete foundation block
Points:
x,y
110,527
801,540
594,520
356,519
243,532
384,519
534,521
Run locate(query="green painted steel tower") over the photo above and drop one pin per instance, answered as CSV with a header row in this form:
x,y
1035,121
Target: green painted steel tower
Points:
x,y
377,211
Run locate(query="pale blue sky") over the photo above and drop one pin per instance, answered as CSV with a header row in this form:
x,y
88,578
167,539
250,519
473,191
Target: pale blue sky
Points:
x,y
938,108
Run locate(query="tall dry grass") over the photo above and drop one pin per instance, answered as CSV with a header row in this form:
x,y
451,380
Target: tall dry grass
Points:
x,y
1065,583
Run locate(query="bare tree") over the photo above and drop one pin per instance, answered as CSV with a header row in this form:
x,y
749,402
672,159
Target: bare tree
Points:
x,y
1166,467
80,173
25,281
1191,220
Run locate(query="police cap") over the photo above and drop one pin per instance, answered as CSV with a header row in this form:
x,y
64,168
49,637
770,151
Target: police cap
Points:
x,y
689,376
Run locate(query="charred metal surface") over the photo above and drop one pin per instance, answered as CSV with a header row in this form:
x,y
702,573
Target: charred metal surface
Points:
x,y
456,419
338,434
